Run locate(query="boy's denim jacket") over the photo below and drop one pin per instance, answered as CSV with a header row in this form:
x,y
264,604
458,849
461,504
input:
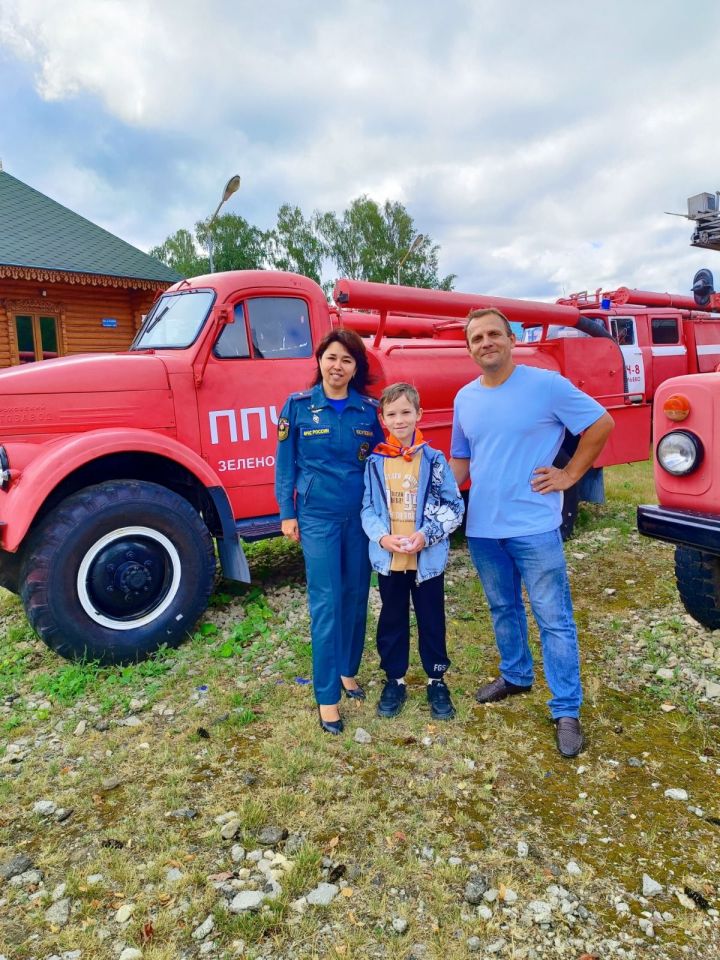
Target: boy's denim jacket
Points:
x,y
440,510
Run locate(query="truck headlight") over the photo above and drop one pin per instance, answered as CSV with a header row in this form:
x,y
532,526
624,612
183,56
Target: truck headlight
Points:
x,y
680,452
4,468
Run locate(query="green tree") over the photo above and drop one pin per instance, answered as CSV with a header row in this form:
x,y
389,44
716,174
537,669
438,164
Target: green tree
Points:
x,y
295,245
237,244
180,253
368,242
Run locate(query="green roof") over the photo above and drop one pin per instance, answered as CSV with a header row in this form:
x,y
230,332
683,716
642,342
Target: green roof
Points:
x,y
35,231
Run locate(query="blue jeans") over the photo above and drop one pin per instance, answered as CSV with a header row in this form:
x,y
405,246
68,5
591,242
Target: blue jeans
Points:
x,y
538,561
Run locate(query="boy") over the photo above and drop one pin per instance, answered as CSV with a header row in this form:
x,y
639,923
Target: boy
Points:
x,y
411,506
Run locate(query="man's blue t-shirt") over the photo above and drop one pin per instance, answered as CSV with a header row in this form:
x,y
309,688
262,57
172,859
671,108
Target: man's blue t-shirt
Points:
x,y
508,432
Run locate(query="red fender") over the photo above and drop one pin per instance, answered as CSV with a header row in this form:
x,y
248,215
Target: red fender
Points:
x,y
58,460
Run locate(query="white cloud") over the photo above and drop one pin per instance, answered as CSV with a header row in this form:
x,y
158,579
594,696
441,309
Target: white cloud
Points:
x,y
537,143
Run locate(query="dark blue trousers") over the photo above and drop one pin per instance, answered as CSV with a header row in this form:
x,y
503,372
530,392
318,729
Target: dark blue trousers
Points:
x,y
338,581
393,631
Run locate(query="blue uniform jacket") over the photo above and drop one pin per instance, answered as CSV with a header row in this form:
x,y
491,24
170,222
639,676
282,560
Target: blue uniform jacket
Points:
x,y
440,510
321,454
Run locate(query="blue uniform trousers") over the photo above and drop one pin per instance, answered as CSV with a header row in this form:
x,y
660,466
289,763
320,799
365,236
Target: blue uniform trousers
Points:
x,y
338,581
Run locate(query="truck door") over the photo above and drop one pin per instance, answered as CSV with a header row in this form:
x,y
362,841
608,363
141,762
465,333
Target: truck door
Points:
x,y
256,362
624,331
707,344
668,349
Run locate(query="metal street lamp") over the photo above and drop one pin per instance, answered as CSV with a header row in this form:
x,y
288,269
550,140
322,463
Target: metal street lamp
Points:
x,y
230,188
411,249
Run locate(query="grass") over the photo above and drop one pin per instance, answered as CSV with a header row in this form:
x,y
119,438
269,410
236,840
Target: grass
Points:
x,y
226,723
630,484
626,486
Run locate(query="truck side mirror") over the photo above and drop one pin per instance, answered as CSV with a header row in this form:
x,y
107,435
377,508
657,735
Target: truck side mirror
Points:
x,y
226,315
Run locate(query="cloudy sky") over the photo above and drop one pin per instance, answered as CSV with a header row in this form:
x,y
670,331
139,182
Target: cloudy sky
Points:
x,y
539,143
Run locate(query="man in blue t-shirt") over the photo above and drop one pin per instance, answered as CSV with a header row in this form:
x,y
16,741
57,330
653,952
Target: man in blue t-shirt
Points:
x,y
508,426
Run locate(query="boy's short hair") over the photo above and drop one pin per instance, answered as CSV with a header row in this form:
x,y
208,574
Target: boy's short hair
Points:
x,y
394,391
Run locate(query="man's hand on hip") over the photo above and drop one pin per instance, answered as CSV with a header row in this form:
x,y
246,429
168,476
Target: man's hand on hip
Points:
x,y
551,480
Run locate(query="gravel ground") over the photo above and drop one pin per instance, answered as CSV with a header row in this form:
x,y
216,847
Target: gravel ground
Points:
x,y
191,807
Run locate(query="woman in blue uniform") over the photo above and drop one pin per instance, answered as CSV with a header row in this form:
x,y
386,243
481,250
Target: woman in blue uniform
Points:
x,y
324,437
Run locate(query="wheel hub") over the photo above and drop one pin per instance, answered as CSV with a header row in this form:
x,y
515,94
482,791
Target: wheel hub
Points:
x,y
135,578
128,577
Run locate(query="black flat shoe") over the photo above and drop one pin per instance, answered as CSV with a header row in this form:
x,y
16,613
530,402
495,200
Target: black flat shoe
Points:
x,y
569,736
356,694
335,727
499,689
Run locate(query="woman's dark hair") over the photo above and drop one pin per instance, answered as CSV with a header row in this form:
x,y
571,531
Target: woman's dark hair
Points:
x,y
356,348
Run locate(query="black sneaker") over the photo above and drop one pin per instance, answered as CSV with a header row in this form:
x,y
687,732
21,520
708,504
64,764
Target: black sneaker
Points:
x,y
441,706
392,699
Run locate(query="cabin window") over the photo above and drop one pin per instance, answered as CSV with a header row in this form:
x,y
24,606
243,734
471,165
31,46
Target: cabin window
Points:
x,y
665,330
623,331
37,337
554,332
232,344
279,328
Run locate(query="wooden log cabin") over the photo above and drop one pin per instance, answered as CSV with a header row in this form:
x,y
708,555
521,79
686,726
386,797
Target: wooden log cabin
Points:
x,y
67,285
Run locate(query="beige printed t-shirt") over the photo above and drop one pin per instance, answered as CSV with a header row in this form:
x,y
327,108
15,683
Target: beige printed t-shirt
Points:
x,y
401,487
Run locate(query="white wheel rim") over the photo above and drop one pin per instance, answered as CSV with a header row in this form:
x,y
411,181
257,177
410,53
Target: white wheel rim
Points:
x,y
121,533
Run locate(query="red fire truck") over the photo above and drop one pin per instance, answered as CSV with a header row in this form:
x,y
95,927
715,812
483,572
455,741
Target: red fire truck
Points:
x,y
661,335
117,472
687,479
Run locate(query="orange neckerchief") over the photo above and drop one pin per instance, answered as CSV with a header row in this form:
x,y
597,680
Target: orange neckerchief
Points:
x,y
393,447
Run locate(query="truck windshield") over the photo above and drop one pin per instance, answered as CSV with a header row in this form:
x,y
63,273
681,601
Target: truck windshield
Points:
x,y
175,320
555,332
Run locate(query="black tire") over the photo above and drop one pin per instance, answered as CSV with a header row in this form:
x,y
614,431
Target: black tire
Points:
x,y
571,500
698,581
117,570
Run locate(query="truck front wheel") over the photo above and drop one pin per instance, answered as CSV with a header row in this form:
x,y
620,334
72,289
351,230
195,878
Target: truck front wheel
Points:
x,y
117,570
698,581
